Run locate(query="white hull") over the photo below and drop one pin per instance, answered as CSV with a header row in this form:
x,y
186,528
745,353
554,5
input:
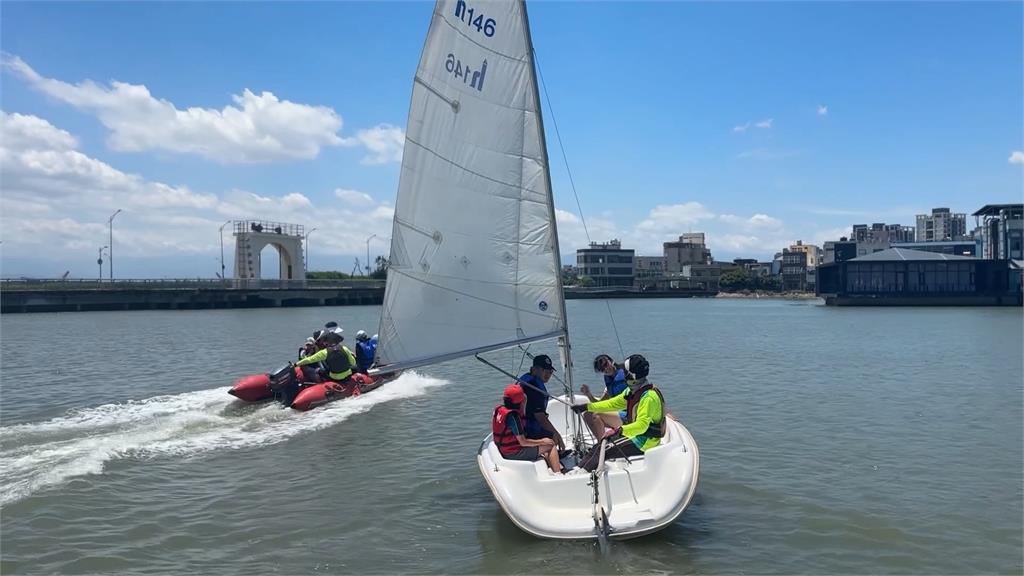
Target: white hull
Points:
x,y
639,497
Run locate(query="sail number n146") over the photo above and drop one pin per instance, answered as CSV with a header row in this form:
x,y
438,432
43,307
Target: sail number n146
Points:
x,y
468,76
474,19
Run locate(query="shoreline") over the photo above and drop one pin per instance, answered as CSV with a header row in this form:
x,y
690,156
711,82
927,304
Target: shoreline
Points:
x,y
769,295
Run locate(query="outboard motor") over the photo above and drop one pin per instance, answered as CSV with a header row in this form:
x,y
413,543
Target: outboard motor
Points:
x,y
284,385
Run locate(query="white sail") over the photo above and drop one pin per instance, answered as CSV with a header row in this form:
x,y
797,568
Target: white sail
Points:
x,y
474,253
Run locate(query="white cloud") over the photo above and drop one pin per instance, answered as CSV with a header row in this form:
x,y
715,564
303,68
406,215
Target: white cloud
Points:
x,y
675,217
1016,157
762,124
354,198
819,237
55,200
254,128
384,142
757,221
822,110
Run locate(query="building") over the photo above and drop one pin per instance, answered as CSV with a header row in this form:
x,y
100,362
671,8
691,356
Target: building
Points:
x,y
703,276
940,225
813,253
966,247
647,270
690,249
759,269
880,232
606,263
839,251
901,276
647,266
794,269
1001,231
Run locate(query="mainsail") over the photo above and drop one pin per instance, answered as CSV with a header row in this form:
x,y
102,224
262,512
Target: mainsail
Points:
x,y
474,251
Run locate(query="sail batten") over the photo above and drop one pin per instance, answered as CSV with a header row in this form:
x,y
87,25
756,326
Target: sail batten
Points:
x,y
474,262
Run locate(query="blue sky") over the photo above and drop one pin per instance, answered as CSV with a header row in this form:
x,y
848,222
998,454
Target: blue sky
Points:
x,y
758,123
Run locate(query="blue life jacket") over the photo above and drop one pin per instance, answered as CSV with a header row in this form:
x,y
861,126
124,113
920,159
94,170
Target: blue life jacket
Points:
x,y
364,354
615,384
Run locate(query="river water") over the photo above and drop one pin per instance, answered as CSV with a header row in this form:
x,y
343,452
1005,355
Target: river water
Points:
x,y
833,440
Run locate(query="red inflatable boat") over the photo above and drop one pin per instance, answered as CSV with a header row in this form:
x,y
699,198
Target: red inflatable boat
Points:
x,y
289,385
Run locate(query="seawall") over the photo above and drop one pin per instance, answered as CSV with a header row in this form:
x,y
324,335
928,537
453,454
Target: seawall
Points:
x,y
87,296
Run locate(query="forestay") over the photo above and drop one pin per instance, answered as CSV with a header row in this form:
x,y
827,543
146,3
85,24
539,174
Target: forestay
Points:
x,y
474,264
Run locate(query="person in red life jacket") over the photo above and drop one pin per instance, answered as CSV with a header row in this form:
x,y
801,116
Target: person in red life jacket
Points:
x,y
509,432
644,424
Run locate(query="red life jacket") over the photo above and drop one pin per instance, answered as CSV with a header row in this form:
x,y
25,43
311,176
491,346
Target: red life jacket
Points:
x,y
504,439
656,429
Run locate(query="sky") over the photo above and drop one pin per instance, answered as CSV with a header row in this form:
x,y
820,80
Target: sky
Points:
x,y
756,123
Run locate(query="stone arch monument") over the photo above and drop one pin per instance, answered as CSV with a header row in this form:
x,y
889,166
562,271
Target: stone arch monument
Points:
x,y
252,236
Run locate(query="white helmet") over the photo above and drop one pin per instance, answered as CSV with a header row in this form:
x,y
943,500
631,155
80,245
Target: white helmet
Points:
x,y
361,335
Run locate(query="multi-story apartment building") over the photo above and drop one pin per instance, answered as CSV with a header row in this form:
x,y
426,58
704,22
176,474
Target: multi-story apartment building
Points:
x,y
880,232
794,269
940,225
812,251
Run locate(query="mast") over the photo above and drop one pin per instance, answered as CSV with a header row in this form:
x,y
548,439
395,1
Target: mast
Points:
x,y
563,341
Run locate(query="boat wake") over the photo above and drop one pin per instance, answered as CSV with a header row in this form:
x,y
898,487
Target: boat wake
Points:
x,y
44,454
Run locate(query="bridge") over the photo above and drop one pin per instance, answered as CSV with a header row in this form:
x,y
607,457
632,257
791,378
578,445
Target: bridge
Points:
x,y
79,295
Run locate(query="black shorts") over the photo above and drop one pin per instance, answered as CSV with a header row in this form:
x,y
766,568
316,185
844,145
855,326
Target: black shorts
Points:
x,y
524,453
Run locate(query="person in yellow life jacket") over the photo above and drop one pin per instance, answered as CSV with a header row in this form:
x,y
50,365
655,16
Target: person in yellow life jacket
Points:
x,y
644,424
338,361
509,431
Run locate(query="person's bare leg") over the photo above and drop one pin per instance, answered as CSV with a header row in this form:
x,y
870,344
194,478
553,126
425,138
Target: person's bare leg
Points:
x,y
593,422
610,420
551,455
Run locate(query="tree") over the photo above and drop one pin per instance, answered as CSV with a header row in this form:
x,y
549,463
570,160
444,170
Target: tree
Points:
x,y
381,272
734,280
585,281
569,278
768,283
326,275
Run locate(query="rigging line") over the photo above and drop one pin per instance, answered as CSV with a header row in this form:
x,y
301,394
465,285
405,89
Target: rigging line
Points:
x,y
572,183
622,353
558,135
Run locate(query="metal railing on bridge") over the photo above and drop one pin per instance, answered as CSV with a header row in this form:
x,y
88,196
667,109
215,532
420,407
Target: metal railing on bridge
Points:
x,y
183,284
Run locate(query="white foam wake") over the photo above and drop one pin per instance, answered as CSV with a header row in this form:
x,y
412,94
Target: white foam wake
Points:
x,y
38,455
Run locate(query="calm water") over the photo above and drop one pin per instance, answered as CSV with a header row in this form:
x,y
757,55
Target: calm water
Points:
x,y
832,441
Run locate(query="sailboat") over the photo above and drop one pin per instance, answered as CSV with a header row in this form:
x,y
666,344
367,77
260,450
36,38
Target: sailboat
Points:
x,y
475,256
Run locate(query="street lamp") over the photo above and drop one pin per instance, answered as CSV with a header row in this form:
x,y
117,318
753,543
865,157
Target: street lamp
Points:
x,y
305,252
99,260
372,236
222,248
110,223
